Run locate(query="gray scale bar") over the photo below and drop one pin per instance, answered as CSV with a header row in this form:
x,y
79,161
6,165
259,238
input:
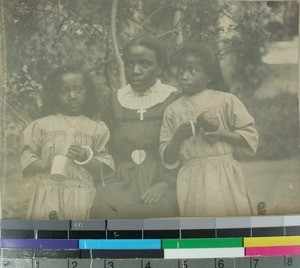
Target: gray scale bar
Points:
x,y
125,224
293,220
161,224
150,224
267,221
88,225
197,223
229,223
35,225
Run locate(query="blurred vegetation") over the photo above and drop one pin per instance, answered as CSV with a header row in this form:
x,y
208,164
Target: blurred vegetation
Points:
x,y
277,121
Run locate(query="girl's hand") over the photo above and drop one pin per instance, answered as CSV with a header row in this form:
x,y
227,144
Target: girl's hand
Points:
x,y
212,136
37,167
183,132
43,165
78,153
155,193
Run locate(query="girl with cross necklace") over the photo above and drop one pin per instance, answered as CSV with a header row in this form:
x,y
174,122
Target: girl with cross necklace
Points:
x,y
142,188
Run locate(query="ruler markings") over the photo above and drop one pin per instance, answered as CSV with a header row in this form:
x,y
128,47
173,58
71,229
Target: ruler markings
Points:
x,y
255,262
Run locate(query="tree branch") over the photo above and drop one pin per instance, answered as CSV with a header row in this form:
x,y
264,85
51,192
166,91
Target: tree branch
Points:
x,y
118,58
154,12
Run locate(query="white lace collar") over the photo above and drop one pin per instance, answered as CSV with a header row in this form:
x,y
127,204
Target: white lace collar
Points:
x,y
131,99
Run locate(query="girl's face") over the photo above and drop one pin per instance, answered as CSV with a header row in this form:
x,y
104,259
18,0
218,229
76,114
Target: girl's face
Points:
x,y
192,75
141,68
71,94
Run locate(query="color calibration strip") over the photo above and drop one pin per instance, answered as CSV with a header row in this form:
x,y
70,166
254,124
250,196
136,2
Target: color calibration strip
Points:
x,y
254,242
166,248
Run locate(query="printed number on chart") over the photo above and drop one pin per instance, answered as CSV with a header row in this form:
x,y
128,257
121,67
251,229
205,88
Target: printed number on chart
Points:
x,y
74,264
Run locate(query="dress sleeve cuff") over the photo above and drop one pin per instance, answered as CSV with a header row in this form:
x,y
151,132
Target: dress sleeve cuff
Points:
x,y
251,137
167,166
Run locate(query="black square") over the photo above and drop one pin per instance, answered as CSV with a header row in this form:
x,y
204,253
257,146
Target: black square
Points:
x,y
268,231
161,234
87,235
17,234
45,234
198,233
125,234
238,232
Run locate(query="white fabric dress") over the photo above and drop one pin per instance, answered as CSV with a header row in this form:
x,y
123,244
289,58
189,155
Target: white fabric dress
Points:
x,y
47,137
210,181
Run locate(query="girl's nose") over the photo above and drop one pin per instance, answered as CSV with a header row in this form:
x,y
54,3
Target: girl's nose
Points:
x,y
72,94
136,69
183,75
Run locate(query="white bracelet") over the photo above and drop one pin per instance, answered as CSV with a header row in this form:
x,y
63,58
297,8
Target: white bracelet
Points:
x,y
89,158
193,128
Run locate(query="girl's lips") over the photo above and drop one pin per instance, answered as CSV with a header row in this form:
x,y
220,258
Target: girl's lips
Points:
x,y
136,81
73,105
185,85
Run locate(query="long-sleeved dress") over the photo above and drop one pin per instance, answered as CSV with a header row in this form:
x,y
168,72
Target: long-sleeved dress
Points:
x,y
210,181
46,137
135,124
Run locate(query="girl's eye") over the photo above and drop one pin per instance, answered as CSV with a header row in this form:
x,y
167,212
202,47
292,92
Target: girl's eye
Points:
x,y
64,91
128,64
145,64
79,88
180,70
193,70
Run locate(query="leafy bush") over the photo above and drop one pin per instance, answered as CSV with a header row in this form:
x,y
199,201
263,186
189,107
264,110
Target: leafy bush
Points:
x,y
277,121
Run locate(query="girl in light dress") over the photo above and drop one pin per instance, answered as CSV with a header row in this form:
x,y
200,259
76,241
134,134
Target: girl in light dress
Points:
x,y
66,132
200,132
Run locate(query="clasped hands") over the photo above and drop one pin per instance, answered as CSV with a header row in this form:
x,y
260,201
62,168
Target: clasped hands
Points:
x,y
185,131
78,153
75,152
154,193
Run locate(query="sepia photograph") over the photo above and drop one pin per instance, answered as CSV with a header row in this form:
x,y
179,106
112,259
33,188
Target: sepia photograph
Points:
x,y
136,109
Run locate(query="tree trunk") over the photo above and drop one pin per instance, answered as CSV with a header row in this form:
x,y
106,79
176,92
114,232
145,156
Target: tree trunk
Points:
x,y
119,61
177,23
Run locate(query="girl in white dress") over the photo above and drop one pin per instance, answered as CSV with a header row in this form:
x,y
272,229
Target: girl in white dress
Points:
x,y
200,132
69,133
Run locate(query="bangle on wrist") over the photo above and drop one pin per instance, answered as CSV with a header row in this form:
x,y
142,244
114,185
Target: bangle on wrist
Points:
x,y
88,159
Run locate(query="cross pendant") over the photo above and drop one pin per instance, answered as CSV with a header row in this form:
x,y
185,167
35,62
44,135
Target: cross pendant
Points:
x,y
141,112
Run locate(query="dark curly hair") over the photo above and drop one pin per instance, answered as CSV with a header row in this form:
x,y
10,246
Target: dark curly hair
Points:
x,y
209,61
151,43
53,81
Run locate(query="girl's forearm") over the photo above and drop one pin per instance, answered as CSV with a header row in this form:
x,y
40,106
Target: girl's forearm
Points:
x,y
232,137
94,166
172,150
35,168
